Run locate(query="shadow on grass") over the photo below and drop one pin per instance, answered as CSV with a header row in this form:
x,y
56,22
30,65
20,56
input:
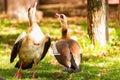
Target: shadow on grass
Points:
x,y
8,39
47,71
7,73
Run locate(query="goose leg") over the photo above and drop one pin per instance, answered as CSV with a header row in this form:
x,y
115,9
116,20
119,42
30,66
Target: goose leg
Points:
x,y
60,74
18,74
34,73
70,76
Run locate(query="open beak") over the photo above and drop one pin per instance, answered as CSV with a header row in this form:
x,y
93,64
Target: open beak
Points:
x,y
57,15
34,4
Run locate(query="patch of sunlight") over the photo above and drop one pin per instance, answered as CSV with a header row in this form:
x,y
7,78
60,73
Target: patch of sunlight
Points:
x,y
111,30
89,64
5,51
9,30
102,64
55,32
114,59
4,61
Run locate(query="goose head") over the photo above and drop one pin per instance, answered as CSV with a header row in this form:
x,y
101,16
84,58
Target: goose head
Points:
x,y
62,19
31,12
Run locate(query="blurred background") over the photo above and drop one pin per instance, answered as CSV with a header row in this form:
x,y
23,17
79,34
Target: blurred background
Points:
x,y
47,8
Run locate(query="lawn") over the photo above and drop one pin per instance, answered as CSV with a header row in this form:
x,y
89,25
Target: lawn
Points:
x,y
98,63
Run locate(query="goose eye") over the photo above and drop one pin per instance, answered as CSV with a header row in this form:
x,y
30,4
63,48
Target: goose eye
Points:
x,y
61,16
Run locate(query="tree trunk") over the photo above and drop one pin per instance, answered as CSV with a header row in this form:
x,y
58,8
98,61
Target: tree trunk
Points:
x,y
97,21
118,17
17,9
5,5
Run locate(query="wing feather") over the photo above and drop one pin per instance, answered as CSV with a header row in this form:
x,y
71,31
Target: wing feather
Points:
x,y
47,45
17,46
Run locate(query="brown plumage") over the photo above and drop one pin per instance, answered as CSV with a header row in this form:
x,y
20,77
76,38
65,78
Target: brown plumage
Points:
x,y
66,50
31,47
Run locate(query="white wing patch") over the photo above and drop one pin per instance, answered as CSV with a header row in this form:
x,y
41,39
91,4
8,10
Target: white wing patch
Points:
x,y
55,51
23,34
80,51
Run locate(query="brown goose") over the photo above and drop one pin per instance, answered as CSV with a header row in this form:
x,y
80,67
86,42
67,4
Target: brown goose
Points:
x,y
66,50
31,47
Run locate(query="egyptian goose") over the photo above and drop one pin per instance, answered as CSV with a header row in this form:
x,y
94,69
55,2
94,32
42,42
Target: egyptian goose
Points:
x,y
31,47
66,50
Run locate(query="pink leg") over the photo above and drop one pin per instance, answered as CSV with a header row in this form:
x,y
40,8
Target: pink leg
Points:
x,y
34,73
18,74
60,74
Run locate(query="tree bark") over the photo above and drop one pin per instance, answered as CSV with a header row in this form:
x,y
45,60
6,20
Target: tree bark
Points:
x,y
17,9
5,5
118,17
98,21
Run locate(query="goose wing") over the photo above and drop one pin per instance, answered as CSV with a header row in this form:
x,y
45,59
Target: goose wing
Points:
x,y
62,53
17,46
46,47
76,54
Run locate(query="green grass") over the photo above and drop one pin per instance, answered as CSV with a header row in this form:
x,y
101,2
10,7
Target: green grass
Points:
x,y
98,63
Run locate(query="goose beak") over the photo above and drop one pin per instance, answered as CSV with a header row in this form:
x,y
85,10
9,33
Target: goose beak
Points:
x,y
34,4
57,15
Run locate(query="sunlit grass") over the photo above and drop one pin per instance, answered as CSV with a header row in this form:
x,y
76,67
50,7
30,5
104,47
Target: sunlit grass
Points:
x,y
99,63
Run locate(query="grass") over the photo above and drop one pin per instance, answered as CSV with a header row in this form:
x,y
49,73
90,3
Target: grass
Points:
x,y
98,63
